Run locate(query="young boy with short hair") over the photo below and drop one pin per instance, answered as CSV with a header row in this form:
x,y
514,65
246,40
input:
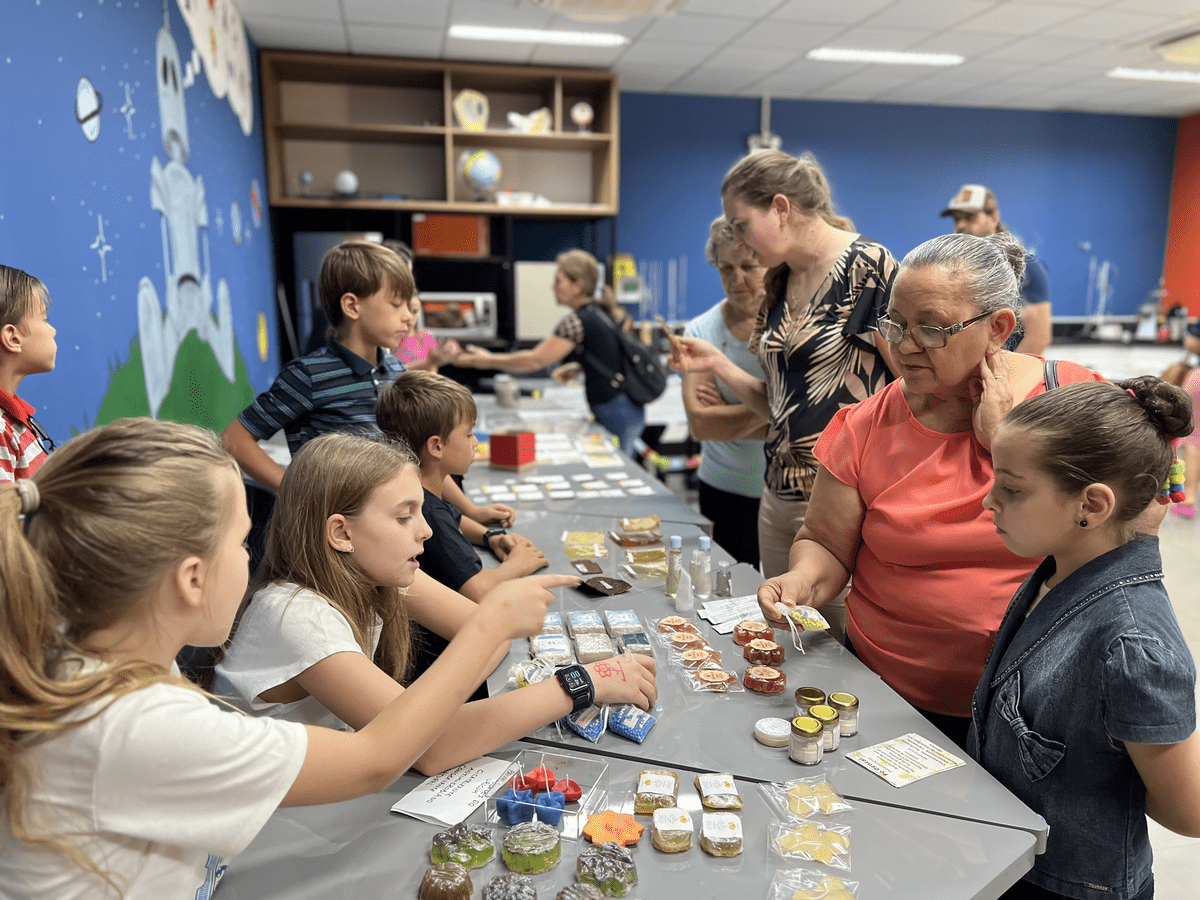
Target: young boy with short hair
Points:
x,y
27,347
436,417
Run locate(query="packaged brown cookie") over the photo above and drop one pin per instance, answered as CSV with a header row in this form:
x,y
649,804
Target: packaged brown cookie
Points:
x,y
603,584
586,567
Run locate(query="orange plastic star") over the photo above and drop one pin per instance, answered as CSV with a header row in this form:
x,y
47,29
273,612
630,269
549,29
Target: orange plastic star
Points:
x,y
620,828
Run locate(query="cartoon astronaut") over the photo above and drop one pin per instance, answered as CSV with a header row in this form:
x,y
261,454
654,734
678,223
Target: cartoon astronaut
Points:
x,y
180,199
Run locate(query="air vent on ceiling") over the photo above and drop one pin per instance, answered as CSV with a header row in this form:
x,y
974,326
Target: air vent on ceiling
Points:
x,y
606,10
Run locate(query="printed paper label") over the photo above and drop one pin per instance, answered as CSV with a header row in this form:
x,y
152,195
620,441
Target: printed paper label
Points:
x,y
722,826
657,784
717,784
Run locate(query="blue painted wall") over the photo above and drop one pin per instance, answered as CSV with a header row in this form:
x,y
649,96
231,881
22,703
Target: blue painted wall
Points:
x,y
1062,179
59,189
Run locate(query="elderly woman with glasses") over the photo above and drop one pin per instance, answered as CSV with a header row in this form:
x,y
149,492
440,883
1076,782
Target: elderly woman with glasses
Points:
x,y
898,499
814,335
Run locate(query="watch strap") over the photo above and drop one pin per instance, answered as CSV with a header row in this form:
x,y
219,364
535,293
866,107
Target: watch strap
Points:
x,y
577,682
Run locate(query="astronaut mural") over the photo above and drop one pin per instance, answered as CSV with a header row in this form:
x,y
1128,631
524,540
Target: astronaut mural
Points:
x,y
178,196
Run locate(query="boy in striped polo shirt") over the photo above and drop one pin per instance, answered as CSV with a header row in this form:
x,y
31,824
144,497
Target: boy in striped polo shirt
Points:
x,y
27,347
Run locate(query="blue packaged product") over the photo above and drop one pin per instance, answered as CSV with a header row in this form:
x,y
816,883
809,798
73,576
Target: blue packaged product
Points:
x,y
630,722
588,723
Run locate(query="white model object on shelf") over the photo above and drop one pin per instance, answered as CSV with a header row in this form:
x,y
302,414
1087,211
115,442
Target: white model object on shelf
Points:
x,y
582,115
346,183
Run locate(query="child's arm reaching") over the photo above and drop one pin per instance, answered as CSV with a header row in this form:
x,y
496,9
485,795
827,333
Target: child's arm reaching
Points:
x,y
338,765
1171,773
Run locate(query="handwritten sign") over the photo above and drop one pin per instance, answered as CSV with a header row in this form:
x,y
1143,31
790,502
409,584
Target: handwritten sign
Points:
x,y
449,798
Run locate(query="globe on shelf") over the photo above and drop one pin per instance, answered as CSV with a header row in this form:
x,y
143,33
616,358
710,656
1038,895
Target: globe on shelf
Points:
x,y
479,172
346,183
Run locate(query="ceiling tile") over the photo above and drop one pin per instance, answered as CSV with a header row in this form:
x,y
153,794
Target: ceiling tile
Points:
x,y
276,33
1019,18
714,81
487,51
867,37
426,14
805,76
684,29
743,58
1104,25
753,9
777,35
964,43
651,52
837,12
1040,49
559,55
479,12
382,40
646,77
935,15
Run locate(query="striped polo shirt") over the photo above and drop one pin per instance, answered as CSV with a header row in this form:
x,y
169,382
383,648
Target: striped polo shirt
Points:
x,y
330,390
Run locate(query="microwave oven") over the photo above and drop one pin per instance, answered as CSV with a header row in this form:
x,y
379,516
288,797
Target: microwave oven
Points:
x,y
458,315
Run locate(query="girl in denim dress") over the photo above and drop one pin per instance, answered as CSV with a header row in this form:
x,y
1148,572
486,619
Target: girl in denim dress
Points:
x,y
1086,708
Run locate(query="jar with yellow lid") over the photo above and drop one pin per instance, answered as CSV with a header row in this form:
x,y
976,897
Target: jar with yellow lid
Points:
x,y
846,705
828,717
807,741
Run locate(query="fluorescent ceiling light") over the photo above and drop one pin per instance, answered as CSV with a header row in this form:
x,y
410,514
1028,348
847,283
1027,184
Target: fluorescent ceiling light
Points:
x,y
1154,75
537,36
885,57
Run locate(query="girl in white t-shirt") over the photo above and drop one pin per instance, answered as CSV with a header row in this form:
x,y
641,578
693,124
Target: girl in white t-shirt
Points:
x,y
324,635
117,777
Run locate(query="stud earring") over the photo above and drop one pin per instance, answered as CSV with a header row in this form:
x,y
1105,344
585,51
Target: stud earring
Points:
x,y
349,548
1083,523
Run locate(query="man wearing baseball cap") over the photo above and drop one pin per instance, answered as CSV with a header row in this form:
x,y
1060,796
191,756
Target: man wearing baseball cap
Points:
x,y
976,212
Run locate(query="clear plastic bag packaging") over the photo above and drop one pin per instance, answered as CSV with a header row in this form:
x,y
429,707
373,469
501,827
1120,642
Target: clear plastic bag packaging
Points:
x,y
656,789
718,790
807,884
585,621
635,538
826,844
801,798
668,625
591,648
529,671
644,571
646,556
627,721
622,621
553,648
640,523
583,537
637,644
586,551
715,679
588,723
552,624
697,657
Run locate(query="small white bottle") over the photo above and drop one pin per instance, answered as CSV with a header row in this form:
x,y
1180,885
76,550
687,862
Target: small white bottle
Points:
x,y
674,565
701,569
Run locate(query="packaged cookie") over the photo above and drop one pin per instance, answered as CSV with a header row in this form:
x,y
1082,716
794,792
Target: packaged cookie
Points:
x,y
622,621
585,621
671,831
604,585
635,538
762,652
637,644
807,884
586,567
764,679
745,632
640,523
656,789
553,648
721,834
593,648
718,791
808,840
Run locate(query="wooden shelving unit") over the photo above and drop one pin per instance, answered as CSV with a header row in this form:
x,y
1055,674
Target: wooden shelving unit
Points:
x,y
390,121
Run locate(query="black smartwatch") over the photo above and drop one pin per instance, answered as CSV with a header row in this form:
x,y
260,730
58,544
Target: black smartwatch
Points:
x,y
578,683
487,539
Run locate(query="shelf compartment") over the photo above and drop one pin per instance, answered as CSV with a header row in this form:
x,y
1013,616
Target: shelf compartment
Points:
x,y
386,170
323,103
488,140
404,134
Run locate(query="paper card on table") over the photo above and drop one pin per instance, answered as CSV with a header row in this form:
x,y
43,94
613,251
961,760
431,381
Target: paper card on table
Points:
x,y
449,798
641,491
905,759
630,482
531,495
502,495
562,495
733,610
585,476
594,485
603,461
588,495
614,476
612,492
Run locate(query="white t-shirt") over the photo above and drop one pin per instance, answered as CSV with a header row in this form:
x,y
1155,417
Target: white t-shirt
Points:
x,y
735,467
158,788
285,630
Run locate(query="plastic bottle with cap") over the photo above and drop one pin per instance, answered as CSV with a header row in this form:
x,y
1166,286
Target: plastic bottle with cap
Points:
x,y
701,569
674,565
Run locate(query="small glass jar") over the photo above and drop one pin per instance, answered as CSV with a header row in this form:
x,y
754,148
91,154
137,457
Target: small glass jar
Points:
x,y
828,717
846,705
723,581
806,698
807,743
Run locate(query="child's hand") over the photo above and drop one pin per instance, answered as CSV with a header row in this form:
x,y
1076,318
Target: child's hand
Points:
x,y
625,679
502,544
518,607
526,558
496,514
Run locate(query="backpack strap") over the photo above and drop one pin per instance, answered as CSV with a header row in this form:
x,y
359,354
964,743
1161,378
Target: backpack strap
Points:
x,y
1050,374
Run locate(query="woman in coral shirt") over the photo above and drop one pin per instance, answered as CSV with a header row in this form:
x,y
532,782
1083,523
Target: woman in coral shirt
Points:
x,y
898,498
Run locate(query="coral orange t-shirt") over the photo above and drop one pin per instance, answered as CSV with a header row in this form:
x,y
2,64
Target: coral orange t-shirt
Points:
x,y
932,578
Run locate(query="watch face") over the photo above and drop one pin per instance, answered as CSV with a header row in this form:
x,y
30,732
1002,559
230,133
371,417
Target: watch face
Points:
x,y
573,680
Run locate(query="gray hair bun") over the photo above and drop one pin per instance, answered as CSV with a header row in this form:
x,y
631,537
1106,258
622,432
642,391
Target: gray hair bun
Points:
x,y
1012,250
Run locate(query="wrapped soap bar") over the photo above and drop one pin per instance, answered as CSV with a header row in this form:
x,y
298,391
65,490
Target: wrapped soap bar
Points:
x,y
712,679
532,847
656,789
586,567
468,845
672,624
656,555
764,679
804,797
718,791
510,887
525,672
586,551
635,538
686,640
587,723
445,881
806,884
700,657
644,571
745,632
808,619
638,644
585,621
580,892
622,621
608,866
628,721
583,537
594,647
553,648
721,834
552,624
761,652
672,830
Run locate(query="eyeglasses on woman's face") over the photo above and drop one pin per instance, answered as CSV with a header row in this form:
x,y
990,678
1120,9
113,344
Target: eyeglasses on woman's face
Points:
x,y
931,337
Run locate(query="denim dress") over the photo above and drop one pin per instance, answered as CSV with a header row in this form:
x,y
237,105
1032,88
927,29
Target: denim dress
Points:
x,y
1099,661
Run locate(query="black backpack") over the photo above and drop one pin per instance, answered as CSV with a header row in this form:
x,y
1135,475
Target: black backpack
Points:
x,y
641,377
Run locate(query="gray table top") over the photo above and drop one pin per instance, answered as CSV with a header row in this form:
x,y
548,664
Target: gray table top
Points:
x,y
359,849
715,731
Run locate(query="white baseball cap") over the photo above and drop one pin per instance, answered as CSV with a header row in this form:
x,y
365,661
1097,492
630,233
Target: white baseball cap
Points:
x,y
970,198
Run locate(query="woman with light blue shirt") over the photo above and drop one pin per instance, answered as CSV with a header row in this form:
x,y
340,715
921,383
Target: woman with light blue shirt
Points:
x,y
731,434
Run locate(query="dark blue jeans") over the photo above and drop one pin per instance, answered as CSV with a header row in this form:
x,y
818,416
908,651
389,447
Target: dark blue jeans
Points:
x,y
623,418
